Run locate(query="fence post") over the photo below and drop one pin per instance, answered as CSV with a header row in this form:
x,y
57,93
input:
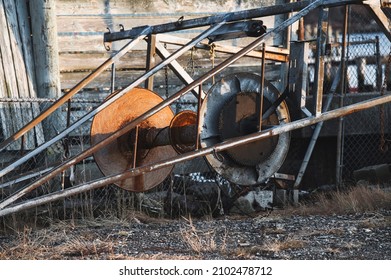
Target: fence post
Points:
x,y
44,31
340,135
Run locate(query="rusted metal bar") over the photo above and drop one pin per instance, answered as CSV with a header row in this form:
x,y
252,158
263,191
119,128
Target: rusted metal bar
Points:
x,y
199,104
120,132
135,147
260,103
379,16
74,90
344,57
201,152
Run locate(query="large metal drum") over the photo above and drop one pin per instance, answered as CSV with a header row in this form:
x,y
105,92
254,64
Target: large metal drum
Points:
x,y
232,109
120,155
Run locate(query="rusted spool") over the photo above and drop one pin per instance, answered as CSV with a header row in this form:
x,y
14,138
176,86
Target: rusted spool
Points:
x,y
120,155
232,109
183,131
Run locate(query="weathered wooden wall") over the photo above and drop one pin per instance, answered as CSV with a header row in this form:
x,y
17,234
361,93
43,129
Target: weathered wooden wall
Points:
x,y
17,76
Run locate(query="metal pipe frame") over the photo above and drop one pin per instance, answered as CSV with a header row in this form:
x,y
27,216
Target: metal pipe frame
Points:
x,y
201,152
230,17
138,34
106,103
141,35
317,131
109,139
308,6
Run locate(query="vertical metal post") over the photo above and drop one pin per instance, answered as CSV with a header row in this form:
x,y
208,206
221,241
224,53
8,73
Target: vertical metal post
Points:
x,y
378,64
339,160
113,77
260,103
135,148
23,140
320,53
198,116
317,131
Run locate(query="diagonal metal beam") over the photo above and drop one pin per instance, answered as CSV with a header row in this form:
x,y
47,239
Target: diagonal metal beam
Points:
x,y
65,165
141,35
363,105
106,103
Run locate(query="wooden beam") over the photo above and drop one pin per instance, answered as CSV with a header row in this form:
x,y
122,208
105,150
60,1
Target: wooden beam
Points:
x,y
178,69
44,34
150,60
272,53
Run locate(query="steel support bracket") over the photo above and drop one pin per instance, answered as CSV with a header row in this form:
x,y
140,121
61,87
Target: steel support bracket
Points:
x,y
250,28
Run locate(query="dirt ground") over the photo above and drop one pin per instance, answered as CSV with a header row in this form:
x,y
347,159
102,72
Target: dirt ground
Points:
x,y
272,235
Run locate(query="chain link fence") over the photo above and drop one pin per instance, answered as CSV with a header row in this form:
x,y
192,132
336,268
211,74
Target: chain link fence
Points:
x,y
366,134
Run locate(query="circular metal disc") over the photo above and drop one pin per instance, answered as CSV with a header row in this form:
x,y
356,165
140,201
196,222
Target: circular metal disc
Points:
x,y
182,140
118,156
239,117
228,111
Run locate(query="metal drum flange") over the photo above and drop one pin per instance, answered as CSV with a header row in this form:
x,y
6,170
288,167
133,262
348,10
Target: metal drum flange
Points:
x,y
231,109
118,156
183,131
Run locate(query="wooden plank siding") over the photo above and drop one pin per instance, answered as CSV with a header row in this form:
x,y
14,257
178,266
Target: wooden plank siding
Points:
x,y
17,76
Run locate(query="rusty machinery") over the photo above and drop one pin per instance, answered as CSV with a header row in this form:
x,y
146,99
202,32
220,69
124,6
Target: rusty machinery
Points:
x,y
242,125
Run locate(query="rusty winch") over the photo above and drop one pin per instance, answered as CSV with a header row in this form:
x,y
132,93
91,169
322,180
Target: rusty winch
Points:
x,y
231,109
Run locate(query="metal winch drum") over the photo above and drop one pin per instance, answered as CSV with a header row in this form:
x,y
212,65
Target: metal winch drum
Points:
x,y
122,154
231,109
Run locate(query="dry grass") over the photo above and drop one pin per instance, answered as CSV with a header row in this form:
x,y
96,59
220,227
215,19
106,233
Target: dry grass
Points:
x,y
271,247
353,200
81,247
62,240
287,244
202,240
73,239
30,245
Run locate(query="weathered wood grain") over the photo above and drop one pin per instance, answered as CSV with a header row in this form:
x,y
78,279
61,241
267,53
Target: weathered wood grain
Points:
x,y
7,44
